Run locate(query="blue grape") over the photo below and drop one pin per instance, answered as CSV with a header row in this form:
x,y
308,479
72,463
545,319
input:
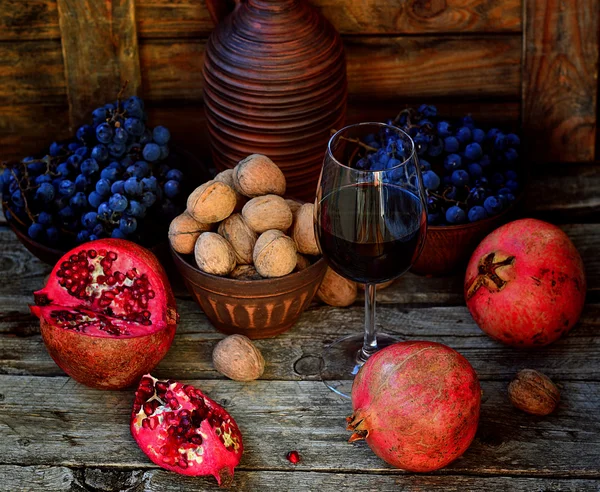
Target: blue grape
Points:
x,y
133,187
55,149
436,147
478,135
433,218
83,236
93,237
100,153
44,218
485,161
146,137
89,220
111,106
148,199
103,187
128,225
500,143
144,168
428,110
361,164
66,188
73,146
116,149
511,155
444,129
473,151
52,235
89,166
79,200
511,175
468,122
451,192
136,209
45,193
497,179
83,152
134,106
63,169
134,126
425,166
513,140
118,187
98,231
151,152
104,211
391,164
492,205
74,161
66,213
421,144
476,196
43,178
35,231
172,188
36,167
477,213
168,209
463,134
120,136
455,215
118,202
104,133
85,133
164,152
161,135
492,133
475,170
512,185
109,173
81,182
99,115
431,180
451,144
118,234
95,199
452,162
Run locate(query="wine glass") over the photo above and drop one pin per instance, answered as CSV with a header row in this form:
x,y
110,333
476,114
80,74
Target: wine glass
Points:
x,y
370,223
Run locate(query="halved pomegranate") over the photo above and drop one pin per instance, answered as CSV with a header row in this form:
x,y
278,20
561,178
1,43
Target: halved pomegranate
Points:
x,y
182,430
107,313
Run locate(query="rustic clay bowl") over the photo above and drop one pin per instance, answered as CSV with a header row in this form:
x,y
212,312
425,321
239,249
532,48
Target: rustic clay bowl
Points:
x,y
255,308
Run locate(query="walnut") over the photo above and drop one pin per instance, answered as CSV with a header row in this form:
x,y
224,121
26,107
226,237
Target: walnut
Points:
x,y
274,254
240,236
303,231
302,262
237,358
214,254
336,290
258,175
267,212
245,272
293,204
533,392
227,178
211,202
184,231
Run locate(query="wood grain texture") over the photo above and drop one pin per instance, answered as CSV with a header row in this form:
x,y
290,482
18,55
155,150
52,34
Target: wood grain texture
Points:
x,y
55,421
34,19
100,48
560,79
64,479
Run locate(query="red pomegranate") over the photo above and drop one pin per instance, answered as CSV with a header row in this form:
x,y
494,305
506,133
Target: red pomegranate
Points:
x,y
416,404
107,313
525,284
182,430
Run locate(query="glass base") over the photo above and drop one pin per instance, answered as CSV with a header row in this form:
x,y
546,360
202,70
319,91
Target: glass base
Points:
x,y
343,358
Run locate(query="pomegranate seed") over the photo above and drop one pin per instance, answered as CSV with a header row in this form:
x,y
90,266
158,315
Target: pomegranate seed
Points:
x,y
112,256
73,258
293,457
148,408
150,294
102,252
92,254
195,439
131,274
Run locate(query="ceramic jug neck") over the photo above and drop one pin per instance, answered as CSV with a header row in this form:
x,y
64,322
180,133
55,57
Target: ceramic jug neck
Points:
x,y
272,4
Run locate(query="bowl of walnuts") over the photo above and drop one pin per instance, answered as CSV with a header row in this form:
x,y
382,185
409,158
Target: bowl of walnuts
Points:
x,y
247,255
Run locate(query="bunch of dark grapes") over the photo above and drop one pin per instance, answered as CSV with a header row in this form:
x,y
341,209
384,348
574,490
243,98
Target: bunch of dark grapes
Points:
x,y
116,178
469,174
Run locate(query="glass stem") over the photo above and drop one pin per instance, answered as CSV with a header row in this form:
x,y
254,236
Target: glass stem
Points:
x,y
370,341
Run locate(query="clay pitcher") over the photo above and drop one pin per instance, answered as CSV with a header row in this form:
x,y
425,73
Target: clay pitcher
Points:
x,y
275,84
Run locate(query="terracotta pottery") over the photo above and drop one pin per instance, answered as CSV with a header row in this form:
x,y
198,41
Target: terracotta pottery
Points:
x,y
274,83
254,308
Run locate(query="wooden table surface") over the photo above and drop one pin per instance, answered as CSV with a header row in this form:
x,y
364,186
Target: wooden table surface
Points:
x,y
58,435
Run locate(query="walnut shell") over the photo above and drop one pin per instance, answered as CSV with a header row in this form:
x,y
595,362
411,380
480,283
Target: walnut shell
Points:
x,y
237,358
245,272
240,236
533,392
227,178
214,254
303,231
258,175
274,254
293,204
302,262
184,231
267,212
211,202
336,290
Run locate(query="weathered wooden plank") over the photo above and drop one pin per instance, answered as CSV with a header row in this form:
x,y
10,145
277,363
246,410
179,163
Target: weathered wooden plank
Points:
x,y
378,68
172,20
100,48
63,479
26,129
34,19
55,421
560,79
295,354
32,73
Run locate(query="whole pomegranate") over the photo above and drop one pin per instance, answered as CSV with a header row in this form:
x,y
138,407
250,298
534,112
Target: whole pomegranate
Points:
x,y
525,284
416,404
184,431
107,313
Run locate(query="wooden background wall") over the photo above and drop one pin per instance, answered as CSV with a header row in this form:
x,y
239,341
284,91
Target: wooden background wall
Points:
x,y
533,62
